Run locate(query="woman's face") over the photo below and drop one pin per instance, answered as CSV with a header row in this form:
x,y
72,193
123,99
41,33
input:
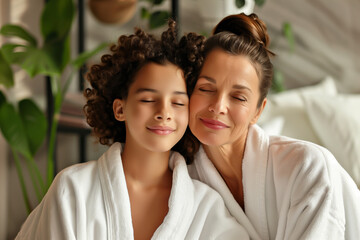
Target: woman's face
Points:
x,y
224,101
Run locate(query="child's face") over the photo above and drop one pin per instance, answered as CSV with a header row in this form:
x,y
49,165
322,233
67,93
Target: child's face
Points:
x,y
156,109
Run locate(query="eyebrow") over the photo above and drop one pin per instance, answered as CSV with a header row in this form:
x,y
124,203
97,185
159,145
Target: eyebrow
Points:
x,y
208,78
140,90
236,86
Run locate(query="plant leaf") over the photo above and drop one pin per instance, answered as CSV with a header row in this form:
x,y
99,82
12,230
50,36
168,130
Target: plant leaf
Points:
x,y
13,53
82,58
259,2
239,3
158,19
35,124
33,60
145,14
2,98
58,50
13,129
278,82
6,73
36,61
289,35
56,19
11,30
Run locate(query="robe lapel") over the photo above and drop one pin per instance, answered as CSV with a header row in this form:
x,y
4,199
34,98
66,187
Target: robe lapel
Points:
x,y
209,175
116,196
254,179
181,202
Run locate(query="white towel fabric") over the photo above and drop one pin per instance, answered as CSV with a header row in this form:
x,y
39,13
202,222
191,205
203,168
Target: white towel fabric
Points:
x,y
293,190
91,201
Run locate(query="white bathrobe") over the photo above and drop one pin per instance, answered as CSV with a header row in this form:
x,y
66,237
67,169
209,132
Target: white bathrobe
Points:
x,y
91,201
292,190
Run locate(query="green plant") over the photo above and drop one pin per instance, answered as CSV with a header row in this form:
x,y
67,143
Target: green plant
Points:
x,y
278,78
24,125
156,18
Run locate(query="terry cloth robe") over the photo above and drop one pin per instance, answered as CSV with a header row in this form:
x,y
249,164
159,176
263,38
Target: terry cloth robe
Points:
x,y
91,201
292,190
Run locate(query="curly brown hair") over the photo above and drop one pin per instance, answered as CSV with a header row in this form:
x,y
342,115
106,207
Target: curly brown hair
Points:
x,y
112,78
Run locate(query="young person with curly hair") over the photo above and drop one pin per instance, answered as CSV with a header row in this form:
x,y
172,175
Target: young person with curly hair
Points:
x,y
139,188
276,187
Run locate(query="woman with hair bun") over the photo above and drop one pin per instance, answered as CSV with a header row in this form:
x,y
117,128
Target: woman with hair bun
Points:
x,y
275,186
140,188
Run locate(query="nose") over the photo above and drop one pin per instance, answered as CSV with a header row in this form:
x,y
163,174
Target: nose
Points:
x,y
164,112
218,105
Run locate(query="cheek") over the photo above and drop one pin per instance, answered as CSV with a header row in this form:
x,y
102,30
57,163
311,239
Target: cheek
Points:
x,y
197,104
182,118
138,112
240,116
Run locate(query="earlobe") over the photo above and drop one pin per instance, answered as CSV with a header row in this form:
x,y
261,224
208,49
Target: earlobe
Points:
x,y
259,111
118,109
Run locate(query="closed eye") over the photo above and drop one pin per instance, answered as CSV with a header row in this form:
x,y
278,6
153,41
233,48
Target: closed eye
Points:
x,y
240,99
205,90
179,104
146,101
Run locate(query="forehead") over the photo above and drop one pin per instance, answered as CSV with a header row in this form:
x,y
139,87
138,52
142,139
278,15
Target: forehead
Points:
x,y
223,66
160,77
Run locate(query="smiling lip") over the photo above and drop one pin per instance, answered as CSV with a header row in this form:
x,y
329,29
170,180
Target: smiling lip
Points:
x,y
213,124
161,130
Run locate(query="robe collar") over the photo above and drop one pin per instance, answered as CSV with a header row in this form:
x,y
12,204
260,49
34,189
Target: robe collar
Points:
x,y
254,179
117,200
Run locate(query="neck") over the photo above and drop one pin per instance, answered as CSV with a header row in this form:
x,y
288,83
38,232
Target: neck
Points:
x,y
146,168
228,161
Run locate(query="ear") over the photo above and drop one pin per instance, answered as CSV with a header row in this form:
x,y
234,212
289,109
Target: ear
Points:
x,y
259,111
118,109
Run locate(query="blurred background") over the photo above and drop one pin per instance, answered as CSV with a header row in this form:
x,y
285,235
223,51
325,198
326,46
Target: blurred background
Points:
x,y
314,40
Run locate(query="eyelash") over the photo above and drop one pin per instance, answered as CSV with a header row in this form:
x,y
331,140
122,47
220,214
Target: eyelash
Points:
x,y
179,104
240,99
151,101
205,90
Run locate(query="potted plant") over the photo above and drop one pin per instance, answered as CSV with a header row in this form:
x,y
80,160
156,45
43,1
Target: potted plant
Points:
x,y
113,11
156,17
24,125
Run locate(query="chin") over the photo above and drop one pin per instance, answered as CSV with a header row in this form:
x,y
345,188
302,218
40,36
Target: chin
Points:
x,y
160,147
209,139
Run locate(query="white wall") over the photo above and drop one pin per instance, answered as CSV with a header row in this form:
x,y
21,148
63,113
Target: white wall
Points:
x,y
327,41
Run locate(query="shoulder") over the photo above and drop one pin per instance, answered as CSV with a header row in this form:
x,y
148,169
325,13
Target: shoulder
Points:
x,y
76,172
301,167
285,150
74,180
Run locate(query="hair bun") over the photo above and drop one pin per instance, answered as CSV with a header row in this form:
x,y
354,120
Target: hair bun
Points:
x,y
242,24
